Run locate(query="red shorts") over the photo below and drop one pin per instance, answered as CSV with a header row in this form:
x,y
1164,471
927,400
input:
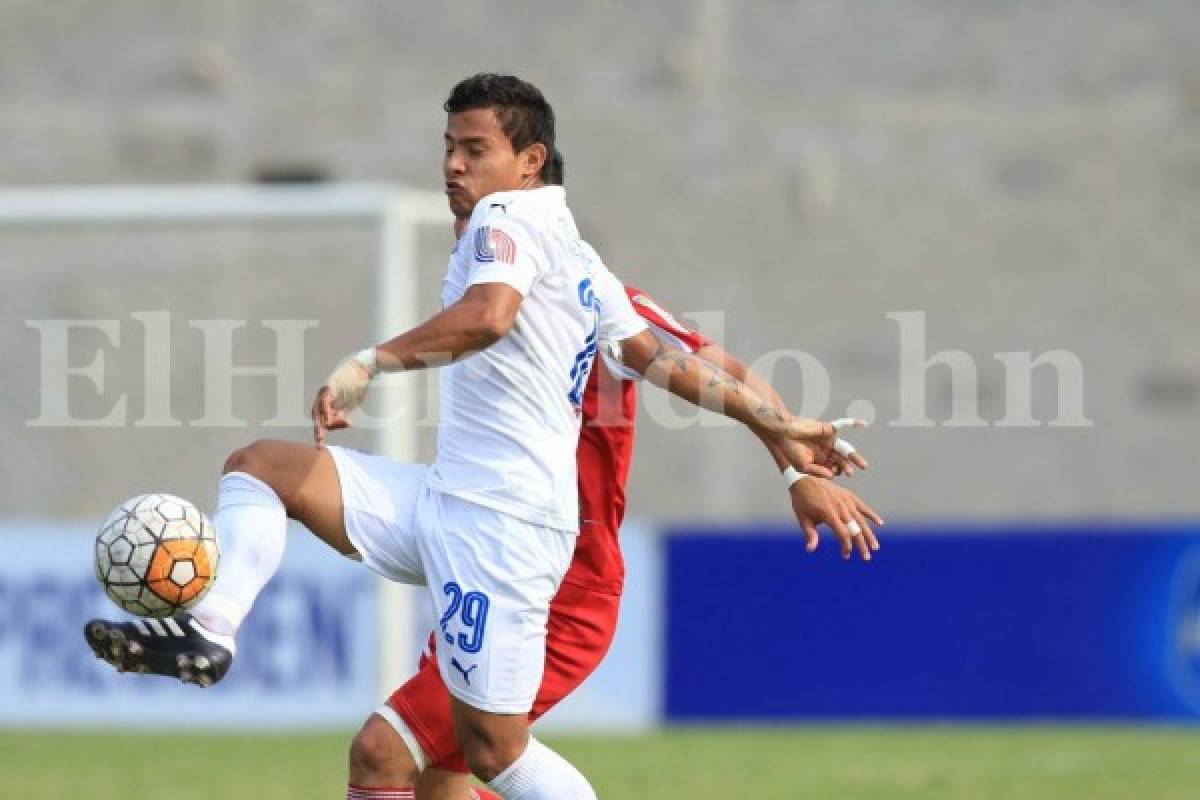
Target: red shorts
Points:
x,y
580,629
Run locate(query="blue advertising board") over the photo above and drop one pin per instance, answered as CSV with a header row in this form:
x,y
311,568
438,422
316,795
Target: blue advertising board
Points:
x,y
1053,622
307,653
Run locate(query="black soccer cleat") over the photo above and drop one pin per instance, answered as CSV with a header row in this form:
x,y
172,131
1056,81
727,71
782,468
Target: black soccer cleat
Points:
x,y
178,647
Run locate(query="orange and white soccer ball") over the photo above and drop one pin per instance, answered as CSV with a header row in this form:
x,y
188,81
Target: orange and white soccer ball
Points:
x,y
156,555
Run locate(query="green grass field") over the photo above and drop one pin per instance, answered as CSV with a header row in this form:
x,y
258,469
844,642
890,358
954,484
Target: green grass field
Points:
x,y
1024,763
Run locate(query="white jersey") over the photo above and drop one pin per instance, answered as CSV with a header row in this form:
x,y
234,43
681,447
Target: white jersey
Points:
x,y
510,415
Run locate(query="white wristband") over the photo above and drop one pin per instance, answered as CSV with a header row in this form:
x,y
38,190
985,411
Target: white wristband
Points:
x,y
349,380
791,475
369,360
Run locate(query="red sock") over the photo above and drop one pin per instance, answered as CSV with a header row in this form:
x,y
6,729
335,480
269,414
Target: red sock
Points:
x,y
485,794
379,792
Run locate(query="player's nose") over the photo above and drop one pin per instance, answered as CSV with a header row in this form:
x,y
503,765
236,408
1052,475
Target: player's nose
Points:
x,y
453,166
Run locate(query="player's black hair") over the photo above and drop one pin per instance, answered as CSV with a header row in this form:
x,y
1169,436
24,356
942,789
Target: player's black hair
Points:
x,y
554,173
524,114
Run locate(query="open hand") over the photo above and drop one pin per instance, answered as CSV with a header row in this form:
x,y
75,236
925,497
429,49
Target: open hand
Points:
x,y
817,501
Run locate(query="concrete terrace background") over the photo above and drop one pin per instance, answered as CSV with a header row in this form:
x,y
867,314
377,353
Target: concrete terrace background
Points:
x,y
1027,174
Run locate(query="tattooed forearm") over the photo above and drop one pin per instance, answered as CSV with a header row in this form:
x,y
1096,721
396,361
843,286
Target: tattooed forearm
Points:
x,y
713,388
768,410
718,377
667,357
673,362
709,385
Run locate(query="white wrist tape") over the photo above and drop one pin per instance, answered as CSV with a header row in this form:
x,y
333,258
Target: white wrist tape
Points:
x,y
791,475
349,381
369,359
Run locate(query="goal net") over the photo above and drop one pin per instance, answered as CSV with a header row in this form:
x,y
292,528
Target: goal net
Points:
x,y
149,331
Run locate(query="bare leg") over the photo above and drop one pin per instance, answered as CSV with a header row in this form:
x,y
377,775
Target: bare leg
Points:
x,y
490,742
264,484
441,784
379,757
515,765
305,479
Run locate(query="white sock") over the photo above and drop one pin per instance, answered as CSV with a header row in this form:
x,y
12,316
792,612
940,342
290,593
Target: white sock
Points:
x,y
251,525
542,774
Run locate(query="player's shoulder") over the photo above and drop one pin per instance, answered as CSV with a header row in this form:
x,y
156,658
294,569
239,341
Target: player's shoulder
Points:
x,y
520,207
494,208
499,203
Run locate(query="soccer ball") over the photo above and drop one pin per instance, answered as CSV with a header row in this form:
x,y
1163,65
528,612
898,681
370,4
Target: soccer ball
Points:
x,y
156,555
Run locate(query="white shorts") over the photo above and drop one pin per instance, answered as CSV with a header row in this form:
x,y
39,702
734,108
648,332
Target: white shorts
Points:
x,y
491,576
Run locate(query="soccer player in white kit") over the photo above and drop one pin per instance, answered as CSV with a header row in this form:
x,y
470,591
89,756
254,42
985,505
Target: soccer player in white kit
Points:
x,y
489,526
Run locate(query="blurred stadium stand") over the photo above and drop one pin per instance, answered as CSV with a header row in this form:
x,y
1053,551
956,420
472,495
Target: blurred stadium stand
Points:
x,y
1028,174
787,173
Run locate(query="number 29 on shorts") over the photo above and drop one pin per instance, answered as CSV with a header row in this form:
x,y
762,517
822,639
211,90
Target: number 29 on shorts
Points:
x,y
472,609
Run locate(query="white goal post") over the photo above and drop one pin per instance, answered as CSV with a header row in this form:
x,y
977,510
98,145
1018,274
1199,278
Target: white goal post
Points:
x,y
398,212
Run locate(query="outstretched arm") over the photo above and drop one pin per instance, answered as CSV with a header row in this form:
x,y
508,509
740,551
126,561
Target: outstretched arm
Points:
x,y
480,319
707,385
826,453
476,322
814,501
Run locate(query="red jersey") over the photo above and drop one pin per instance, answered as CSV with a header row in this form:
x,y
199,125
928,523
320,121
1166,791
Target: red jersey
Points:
x,y
605,452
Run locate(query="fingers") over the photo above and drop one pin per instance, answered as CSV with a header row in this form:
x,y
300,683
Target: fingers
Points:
x,y
864,513
867,511
318,421
861,541
326,417
817,470
838,463
845,538
325,399
846,450
844,467
805,428
857,526
871,540
811,537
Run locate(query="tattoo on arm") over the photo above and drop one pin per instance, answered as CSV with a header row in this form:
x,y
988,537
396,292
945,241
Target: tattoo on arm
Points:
x,y
671,356
678,361
671,362
768,410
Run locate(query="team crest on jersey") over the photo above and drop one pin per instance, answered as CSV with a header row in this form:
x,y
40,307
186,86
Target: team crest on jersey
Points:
x,y
492,245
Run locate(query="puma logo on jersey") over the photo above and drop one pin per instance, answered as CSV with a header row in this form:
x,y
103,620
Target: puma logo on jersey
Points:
x,y
466,673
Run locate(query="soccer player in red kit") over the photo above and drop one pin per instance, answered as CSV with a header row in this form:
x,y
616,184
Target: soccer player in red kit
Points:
x,y
583,614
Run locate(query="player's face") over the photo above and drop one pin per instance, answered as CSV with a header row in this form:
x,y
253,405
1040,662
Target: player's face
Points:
x,y
480,160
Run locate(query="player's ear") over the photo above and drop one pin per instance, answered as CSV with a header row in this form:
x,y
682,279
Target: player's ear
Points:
x,y
533,159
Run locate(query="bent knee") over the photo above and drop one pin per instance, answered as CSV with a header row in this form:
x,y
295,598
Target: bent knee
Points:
x,y
378,751
265,459
488,759
249,459
268,461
